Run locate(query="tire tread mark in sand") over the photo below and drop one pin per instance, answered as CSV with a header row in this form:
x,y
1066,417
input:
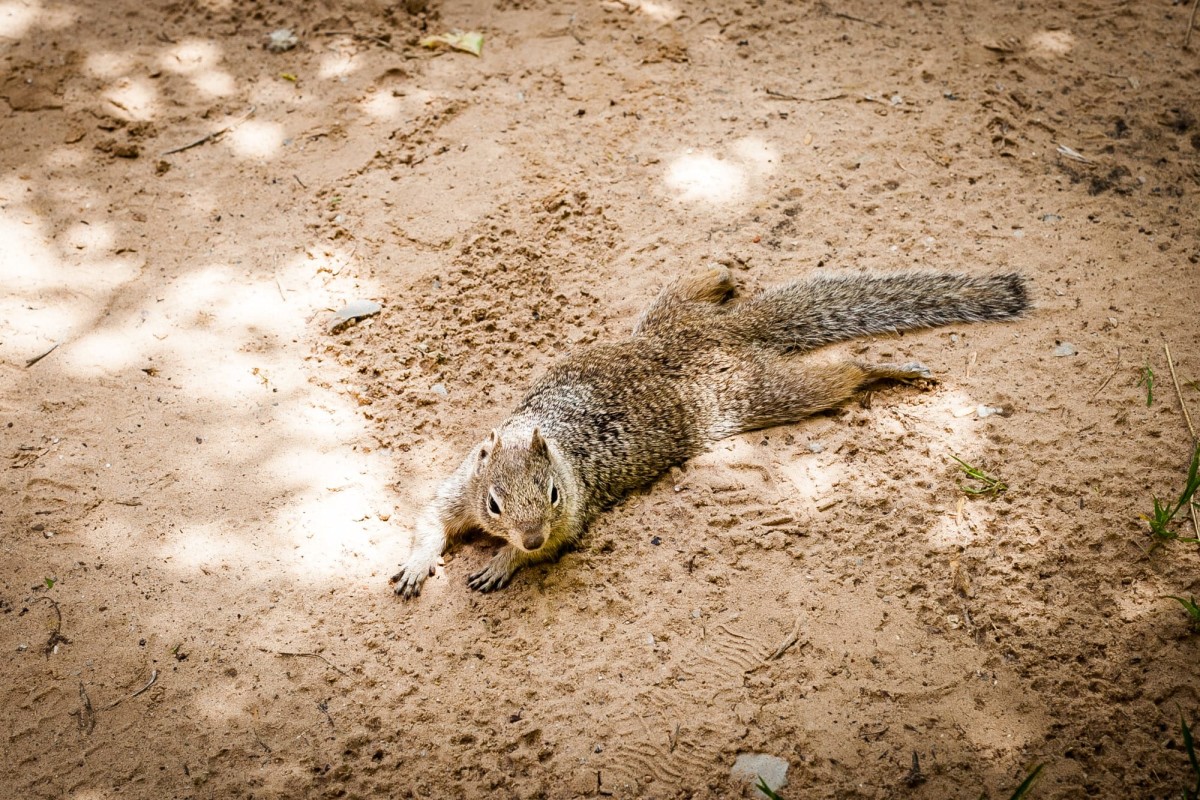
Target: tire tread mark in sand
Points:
x,y
681,727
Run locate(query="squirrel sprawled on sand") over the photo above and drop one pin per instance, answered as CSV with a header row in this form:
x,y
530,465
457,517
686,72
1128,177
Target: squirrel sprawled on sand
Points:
x,y
613,417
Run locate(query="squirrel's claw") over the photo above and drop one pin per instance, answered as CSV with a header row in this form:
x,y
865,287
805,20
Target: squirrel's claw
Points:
x,y
409,579
490,578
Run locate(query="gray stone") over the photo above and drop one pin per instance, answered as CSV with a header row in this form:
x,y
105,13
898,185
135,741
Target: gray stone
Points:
x,y
749,767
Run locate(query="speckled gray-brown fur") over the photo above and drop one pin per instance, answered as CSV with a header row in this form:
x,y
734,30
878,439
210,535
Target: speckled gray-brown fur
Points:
x,y
611,418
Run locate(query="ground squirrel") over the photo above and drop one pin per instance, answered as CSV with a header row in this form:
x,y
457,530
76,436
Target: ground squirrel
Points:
x,y
698,368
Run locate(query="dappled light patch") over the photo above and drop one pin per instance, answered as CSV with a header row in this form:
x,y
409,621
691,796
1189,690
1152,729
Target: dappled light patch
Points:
x,y
20,17
701,177
190,56
659,10
191,548
214,83
54,287
17,18
109,64
107,351
66,157
756,154
88,236
383,104
200,61
137,97
337,65
1052,43
720,177
256,139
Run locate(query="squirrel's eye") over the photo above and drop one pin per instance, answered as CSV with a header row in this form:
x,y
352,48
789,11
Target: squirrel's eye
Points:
x,y
554,496
493,504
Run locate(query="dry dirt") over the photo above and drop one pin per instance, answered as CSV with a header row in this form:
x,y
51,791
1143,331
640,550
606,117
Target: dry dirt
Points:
x,y
206,490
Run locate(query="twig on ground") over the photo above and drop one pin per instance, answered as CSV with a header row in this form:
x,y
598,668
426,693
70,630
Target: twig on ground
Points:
x,y
364,36
261,743
332,666
56,637
915,777
791,639
1116,365
212,137
1186,416
1175,379
853,18
782,96
323,707
784,646
149,683
87,714
825,7
31,361
571,30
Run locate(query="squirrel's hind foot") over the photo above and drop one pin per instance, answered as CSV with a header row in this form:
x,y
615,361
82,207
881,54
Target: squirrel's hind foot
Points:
x,y
912,372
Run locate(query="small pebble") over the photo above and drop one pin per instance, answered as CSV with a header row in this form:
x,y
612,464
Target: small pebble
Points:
x,y
21,648
656,541
439,389
992,411
49,534
282,40
696,614
816,447
1065,349
1051,218
37,526
650,639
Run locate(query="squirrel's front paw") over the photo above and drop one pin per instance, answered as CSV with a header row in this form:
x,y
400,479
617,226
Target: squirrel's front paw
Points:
x,y
410,577
495,575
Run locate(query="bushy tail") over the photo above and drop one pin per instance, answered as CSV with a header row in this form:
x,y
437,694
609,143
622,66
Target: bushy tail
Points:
x,y
809,313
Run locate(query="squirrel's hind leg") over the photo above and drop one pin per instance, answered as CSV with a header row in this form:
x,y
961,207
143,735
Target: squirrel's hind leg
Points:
x,y
709,286
793,388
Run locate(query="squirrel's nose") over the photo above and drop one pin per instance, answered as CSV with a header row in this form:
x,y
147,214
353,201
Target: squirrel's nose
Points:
x,y
532,537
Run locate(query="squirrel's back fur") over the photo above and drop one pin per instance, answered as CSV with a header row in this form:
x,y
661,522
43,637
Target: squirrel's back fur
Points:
x,y
611,418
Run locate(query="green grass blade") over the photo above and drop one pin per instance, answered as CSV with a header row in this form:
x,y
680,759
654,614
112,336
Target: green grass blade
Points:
x,y
1024,787
767,790
1190,746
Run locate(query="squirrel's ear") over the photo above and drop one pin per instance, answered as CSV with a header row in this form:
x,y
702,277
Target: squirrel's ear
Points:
x,y
538,445
489,448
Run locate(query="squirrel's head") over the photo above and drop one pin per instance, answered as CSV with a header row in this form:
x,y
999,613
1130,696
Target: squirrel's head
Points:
x,y
522,498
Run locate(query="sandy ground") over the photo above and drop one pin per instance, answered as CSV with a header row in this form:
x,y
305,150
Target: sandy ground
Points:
x,y
207,490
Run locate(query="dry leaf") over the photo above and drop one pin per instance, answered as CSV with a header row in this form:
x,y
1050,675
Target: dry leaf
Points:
x,y
469,42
